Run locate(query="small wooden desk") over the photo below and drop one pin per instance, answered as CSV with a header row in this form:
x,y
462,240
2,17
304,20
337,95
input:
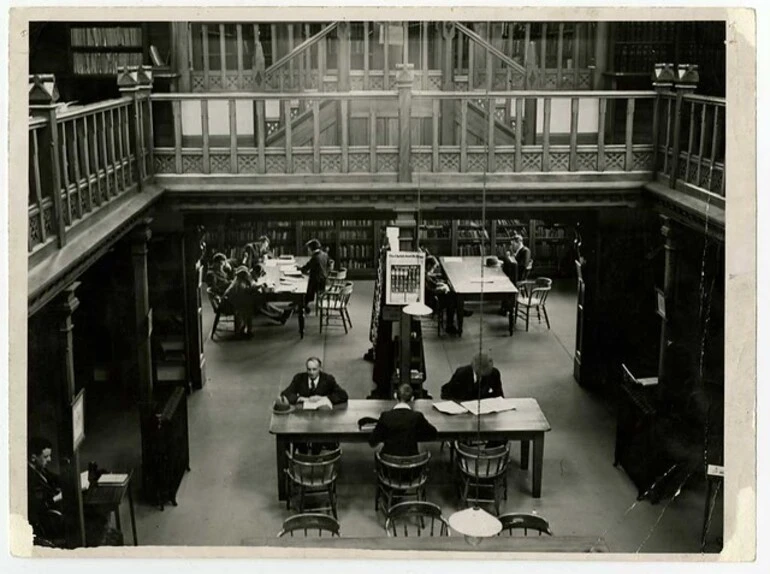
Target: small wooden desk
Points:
x,y
526,423
109,498
287,289
464,276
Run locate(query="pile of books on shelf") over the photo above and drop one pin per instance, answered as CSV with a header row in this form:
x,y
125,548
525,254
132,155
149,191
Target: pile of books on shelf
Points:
x,y
356,223
436,230
357,251
354,235
104,62
114,36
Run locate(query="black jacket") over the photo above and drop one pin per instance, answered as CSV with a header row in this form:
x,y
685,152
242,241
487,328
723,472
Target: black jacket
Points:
x,y
42,487
400,430
463,388
317,268
327,387
514,268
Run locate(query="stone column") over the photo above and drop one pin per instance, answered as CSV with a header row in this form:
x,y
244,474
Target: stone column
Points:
x,y
69,460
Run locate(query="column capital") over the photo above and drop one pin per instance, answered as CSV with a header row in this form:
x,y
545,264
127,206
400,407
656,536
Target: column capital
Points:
x,y
141,232
405,75
670,231
448,29
67,302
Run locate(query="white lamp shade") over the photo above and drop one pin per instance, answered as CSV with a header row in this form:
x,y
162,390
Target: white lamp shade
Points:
x,y
475,523
418,309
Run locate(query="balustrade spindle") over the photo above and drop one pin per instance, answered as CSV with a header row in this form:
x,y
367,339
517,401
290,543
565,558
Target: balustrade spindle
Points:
x,y
655,132
205,133
690,141
559,55
125,142
676,145
125,172
527,36
601,161
463,135
546,134
543,50
344,117
517,134
714,143
239,54
366,55
65,163
490,74
287,130
274,44
38,190
290,32
316,136
405,26
460,52
83,149
577,44
308,80
113,154
75,162
668,137
471,66
372,137
491,163
176,109
701,142
322,63
630,134
95,159
424,54
205,44
435,139
573,132
222,57
150,139
260,119
233,135
386,57
108,187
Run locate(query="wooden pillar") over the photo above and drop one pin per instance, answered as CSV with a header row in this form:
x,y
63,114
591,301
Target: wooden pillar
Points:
x,y
193,279
405,350
669,294
134,82
404,81
601,55
180,33
142,319
343,56
531,82
69,460
685,83
447,84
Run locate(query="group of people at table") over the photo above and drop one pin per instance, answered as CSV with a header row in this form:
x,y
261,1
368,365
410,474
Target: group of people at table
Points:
x,y
515,263
237,282
400,429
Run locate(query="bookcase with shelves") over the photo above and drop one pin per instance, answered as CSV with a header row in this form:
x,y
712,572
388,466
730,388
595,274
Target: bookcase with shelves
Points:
x,y
357,248
436,236
101,49
638,46
550,244
469,235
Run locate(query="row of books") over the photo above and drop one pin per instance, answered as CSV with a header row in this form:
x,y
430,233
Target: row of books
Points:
x,y
475,234
353,264
280,224
104,62
277,236
550,251
105,36
641,57
318,223
354,235
357,251
549,232
645,31
470,249
325,236
356,222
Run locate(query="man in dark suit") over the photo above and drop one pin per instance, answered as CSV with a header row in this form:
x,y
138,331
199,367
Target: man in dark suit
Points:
x,y
43,490
317,268
516,264
480,375
401,428
313,385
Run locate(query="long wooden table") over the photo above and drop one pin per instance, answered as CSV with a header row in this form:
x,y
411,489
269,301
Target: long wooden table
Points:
x,y
287,289
526,423
465,277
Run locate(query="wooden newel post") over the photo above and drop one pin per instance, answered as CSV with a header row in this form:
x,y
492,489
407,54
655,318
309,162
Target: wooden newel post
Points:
x,y
69,460
343,56
404,81
43,95
136,83
685,83
669,295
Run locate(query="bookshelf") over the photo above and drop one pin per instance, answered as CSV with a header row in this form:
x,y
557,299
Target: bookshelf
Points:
x,y
469,234
100,50
358,244
638,46
550,244
436,236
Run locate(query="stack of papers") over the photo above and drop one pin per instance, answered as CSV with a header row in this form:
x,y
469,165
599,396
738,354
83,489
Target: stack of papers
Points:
x,y
483,407
112,479
322,403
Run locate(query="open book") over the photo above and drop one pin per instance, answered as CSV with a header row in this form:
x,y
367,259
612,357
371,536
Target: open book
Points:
x,y
323,403
485,406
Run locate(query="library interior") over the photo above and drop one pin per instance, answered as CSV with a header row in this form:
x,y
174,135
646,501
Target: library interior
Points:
x,y
258,250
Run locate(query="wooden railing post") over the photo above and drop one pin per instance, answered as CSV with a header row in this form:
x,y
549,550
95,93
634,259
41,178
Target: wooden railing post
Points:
x,y
343,56
663,81
180,34
404,80
447,84
135,82
685,83
43,95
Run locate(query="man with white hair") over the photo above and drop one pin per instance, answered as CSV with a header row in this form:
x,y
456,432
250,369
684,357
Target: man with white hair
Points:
x,y
479,379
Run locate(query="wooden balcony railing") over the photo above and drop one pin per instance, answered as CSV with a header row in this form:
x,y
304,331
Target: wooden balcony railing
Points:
x,y
691,148
81,158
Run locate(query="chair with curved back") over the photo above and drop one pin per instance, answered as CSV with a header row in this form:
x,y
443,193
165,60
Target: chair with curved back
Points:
x,y
483,469
416,518
335,301
223,311
400,477
532,297
309,524
312,476
516,521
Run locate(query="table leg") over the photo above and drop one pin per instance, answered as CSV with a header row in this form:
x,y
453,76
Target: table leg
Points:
x,y
281,445
511,317
537,464
301,321
460,314
524,455
133,518
117,519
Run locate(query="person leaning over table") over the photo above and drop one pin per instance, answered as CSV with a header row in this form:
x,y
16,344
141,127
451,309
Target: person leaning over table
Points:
x,y
265,308
317,269
467,381
219,275
401,428
240,295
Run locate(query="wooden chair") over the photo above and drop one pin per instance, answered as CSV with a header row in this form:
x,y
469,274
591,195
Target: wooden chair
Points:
x,y
483,469
400,477
416,517
335,301
515,521
532,297
223,311
309,524
311,475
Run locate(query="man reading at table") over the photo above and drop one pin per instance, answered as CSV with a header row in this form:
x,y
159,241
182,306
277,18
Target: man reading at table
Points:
x,y
313,385
479,379
401,428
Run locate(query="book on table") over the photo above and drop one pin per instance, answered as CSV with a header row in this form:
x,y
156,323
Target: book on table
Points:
x,y
322,403
112,479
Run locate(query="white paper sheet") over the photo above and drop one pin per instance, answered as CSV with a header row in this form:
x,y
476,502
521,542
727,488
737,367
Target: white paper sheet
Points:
x,y
450,408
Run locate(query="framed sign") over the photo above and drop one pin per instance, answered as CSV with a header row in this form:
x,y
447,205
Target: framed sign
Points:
x,y
661,303
404,277
78,419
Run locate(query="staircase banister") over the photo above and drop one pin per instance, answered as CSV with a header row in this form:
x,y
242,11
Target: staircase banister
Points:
x,y
484,44
307,44
359,94
560,94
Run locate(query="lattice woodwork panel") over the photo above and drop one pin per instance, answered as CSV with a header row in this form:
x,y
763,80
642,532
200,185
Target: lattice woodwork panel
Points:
x,y
357,82
48,220
65,210
584,80
331,163
517,81
192,164
716,181
504,162
559,161
219,163
35,233
422,161
231,82
271,126
303,163
330,85
275,164
644,160
549,81
377,82
449,161
461,86
500,114
387,162
531,162
358,162
587,161
294,112
477,162
434,82
615,161
197,84
215,82
85,200
164,163
247,164
106,186
74,206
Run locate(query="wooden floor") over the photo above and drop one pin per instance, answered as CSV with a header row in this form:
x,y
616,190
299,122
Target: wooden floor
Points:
x,y
229,498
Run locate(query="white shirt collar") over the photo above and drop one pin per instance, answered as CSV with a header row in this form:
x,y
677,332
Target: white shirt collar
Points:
x,y
401,405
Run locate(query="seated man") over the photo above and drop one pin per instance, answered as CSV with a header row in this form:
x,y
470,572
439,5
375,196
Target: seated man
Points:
x,y
401,428
43,491
479,379
440,294
240,294
219,275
